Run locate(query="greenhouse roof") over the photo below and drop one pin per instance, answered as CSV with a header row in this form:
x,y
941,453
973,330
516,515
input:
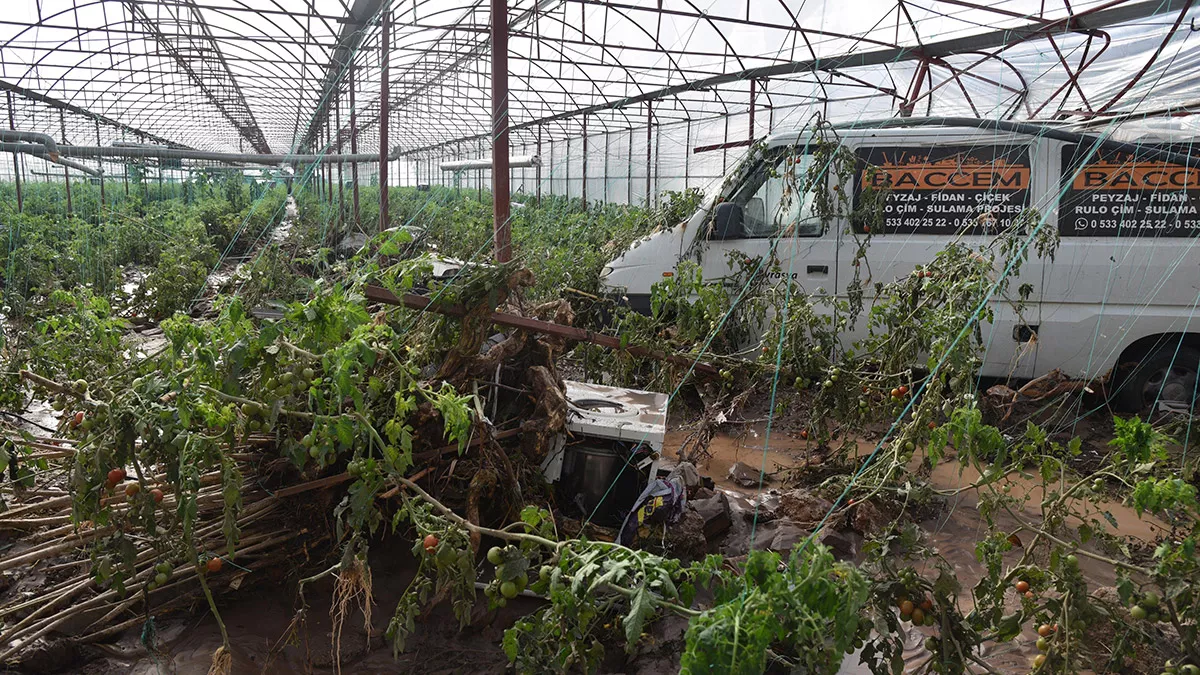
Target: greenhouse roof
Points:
x,y
270,76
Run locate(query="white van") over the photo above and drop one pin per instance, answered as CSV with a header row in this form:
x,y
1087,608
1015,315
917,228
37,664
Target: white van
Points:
x,y
1122,287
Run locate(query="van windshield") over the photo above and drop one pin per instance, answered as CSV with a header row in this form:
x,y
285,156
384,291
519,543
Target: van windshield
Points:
x,y
773,199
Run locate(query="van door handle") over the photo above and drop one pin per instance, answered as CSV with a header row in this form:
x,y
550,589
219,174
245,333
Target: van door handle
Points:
x,y
818,269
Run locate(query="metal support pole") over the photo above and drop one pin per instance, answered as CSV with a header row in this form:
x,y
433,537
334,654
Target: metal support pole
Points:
x,y
62,122
12,125
629,168
606,139
538,169
751,136
337,114
687,154
385,49
906,108
318,169
500,178
354,145
649,159
100,165
583,191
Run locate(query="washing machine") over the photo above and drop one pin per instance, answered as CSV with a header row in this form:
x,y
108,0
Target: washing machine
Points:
x,y
611,450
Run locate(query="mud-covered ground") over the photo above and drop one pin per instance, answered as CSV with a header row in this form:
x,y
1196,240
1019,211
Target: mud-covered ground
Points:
x,y
267,636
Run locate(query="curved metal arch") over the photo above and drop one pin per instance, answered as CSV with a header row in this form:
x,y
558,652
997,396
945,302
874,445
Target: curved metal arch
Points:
x,y
81,63
666,52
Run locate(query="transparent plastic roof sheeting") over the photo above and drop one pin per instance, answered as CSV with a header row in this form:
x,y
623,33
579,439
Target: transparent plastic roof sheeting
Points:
x,y
262,76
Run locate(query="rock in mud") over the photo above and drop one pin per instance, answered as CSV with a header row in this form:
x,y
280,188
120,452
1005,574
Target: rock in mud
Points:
x,y
747,476
685,538
868,519
802,506
845,545
55,656
787,535
715,512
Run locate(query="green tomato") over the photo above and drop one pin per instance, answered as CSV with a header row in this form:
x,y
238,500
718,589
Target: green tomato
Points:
x,y
1149,601
151,586
1138,612
161,578
1043,644
308,374
1072,561
509,589
314,452
545,573
495,555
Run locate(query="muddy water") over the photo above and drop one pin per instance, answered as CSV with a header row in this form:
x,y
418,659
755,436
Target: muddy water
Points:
x,y
257,622
953,532
749,446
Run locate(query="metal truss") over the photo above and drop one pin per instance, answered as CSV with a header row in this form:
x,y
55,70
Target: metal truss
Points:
x,y
257,75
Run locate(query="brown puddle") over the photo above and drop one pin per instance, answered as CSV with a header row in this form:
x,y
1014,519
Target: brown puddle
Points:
x,y
260,620
725,450
953,532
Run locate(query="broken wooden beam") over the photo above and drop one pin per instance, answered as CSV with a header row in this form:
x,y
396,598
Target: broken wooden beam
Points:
x,y
423,303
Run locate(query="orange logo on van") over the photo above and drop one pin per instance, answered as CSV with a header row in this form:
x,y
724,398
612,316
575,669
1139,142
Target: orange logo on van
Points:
x,y
1118,175
954,173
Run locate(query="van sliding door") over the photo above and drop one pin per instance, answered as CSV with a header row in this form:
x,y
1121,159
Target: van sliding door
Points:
x,y
1126,264
967,190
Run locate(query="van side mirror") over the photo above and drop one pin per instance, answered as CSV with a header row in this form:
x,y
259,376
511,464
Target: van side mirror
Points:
x,y
729,221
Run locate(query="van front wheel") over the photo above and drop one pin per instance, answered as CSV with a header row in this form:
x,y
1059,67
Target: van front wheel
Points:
x,y
1166,375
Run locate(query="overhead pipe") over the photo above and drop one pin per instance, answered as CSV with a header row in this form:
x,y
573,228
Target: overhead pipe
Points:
x,y
517,162
160,152
40,152
45,140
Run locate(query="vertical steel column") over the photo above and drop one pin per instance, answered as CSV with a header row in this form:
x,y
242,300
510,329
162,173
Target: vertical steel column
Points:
x,y
583,191
385,44
12,125
62,124
649,140
354,145
318,174
567,191
538,169
125,172
337,113
100,165
629,167
906,107
606,139
328,168
751,137
687,154
500,185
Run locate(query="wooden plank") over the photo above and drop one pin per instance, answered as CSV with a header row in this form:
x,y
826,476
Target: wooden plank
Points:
x,y
422,303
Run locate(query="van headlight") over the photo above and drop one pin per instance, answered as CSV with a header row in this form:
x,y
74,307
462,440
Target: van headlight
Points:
x,y
605,272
